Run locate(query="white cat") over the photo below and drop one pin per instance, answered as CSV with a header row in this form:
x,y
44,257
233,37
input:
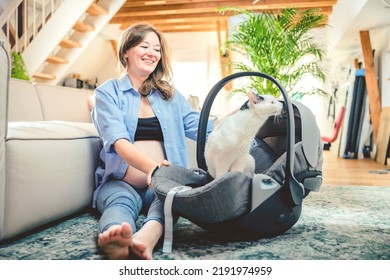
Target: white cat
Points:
x,y
227,147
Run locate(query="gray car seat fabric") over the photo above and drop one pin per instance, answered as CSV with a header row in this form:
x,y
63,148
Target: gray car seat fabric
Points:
x,y
207,201
268,163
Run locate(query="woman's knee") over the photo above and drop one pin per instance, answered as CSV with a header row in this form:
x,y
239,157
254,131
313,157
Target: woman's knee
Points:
x,y
156,212
118,194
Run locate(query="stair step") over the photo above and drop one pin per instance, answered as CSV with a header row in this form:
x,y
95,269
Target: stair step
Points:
x,y
83,27
96,10
56,60
43,76
69,44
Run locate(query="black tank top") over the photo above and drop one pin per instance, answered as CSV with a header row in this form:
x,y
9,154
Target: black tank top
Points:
x,y
148,129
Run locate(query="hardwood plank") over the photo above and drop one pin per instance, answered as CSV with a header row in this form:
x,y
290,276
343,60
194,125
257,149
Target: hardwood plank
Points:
x,y
347,172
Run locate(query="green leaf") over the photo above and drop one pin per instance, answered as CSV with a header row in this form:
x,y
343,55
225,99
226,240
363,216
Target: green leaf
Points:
x,y
18,70
280,45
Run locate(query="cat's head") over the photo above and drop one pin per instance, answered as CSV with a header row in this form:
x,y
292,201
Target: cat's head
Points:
x,y
264,104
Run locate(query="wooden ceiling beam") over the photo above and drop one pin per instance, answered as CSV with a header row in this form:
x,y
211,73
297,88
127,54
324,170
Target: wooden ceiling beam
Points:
x,y
135,16
198,20
212,6
174,26
172,18
199,23
188,29
281,3
202,15
141,3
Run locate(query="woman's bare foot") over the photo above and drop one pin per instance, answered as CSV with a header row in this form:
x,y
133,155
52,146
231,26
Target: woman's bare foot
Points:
x,y
146,239
116,241
119,243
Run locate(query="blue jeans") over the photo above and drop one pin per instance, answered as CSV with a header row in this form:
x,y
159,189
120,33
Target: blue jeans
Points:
x,y
119,202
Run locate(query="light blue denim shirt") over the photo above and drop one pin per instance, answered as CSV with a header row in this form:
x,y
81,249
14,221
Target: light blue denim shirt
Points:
x,y
115,116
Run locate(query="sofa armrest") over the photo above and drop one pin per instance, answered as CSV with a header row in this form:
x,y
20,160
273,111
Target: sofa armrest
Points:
x,y
5,63
5,66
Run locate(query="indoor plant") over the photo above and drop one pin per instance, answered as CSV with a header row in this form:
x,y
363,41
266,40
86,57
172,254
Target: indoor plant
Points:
x,y
18,70
280,45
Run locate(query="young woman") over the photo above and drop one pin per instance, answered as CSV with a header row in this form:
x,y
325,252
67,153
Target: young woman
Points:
x,y
143,121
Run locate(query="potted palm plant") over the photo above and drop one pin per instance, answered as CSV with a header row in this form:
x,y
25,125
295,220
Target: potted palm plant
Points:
x,y
279,45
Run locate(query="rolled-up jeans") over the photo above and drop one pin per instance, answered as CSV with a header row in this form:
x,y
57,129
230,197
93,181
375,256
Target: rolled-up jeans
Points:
x,y
119,202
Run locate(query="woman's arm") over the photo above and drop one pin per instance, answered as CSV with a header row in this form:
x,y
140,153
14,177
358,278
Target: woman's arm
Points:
x,y
129,153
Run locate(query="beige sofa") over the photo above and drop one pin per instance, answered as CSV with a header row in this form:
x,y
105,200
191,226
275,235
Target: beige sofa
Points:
x,y
49,150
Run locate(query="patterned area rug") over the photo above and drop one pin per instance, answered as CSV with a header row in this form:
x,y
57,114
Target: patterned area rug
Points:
x,y
337,223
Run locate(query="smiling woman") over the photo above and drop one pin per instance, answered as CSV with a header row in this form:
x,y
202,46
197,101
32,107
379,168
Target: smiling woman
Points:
x,y
143,59
142,120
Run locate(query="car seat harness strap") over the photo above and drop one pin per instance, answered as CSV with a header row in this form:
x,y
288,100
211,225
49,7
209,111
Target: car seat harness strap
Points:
x,y
168,234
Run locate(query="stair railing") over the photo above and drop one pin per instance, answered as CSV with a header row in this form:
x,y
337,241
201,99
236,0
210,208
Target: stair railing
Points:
x,y
22,20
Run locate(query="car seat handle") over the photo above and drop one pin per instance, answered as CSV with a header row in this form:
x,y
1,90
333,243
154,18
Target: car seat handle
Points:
x,y
295,190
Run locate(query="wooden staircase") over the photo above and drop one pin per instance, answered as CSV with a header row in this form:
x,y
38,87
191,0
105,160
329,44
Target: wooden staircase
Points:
x,y
68,43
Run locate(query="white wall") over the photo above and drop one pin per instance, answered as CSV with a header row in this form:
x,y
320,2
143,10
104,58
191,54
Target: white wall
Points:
x,y
196,66
97,61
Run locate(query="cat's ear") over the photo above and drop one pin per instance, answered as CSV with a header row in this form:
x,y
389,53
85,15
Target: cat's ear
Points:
x,y
251,95
254,96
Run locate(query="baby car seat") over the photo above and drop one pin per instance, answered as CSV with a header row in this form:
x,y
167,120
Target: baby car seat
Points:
x,y
288,156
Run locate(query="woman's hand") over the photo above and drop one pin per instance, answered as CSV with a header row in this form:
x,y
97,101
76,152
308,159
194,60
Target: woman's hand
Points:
x,y
150,173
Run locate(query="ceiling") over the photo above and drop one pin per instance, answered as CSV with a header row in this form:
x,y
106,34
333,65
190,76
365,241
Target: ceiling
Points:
x,y
344,27
201,15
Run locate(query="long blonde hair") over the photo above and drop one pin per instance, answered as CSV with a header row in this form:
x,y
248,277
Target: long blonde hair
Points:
x,y
161,76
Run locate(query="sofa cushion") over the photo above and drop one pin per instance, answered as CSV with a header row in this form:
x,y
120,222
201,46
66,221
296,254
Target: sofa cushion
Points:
x,y
64,103
50,170
23,102
50,130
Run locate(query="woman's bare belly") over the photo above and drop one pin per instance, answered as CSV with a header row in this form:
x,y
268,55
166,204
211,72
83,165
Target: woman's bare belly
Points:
x,y
152,149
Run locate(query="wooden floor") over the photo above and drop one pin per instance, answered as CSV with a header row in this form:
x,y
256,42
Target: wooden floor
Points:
x,y
359,172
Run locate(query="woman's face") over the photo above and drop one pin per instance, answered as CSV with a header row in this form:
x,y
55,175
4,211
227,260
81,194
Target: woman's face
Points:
x,y
143,58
